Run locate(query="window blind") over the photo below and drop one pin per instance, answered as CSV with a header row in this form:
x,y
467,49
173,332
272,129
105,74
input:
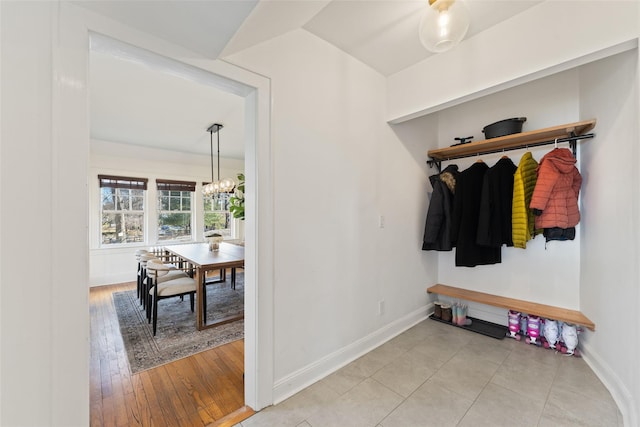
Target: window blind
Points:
x,y
122,182
168,185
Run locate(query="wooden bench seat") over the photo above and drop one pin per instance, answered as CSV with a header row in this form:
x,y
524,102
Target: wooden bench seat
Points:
x,y
542,310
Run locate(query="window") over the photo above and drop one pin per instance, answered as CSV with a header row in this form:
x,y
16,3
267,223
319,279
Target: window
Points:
x,y
217,216
174,209
122,209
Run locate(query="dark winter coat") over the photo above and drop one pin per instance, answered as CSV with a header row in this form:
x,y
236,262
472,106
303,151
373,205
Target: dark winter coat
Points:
x,y
494,221
466,208
555,196
437,229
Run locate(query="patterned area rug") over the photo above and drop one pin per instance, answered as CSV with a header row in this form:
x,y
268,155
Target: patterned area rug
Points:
x,y
177,336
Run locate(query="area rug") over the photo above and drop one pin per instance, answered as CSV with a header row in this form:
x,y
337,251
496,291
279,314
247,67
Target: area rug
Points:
x,y
177,336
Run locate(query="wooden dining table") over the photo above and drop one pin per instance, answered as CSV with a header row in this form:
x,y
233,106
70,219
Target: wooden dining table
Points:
x,y
203,260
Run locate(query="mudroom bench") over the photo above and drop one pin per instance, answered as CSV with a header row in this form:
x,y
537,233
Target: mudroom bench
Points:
x,y
542,310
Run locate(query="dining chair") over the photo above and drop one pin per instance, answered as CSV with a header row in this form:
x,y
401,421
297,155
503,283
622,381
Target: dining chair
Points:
x,y
174,273
139,274
144,287
162,286
170,272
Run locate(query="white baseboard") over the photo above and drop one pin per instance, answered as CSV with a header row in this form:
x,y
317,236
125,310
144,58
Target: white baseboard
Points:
x,y
304,377
110,280
612,382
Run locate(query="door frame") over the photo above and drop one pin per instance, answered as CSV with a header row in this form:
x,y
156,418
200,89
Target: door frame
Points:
x,y
72,129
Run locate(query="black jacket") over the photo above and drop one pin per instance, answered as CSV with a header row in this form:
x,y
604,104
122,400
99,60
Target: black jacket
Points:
x,y
494,222
437,229
466,209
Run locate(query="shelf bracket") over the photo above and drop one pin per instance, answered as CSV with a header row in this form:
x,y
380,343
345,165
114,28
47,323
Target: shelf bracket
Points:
x,y
436,163
573,143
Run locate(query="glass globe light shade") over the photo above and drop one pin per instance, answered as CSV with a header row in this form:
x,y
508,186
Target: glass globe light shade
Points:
x,y
444,25
227,185
207,189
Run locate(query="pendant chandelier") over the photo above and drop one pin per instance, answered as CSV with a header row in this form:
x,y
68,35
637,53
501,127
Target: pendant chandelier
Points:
x,y
221,186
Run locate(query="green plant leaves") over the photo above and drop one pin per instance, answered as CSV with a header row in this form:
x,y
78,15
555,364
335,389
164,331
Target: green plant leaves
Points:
x,y
236,202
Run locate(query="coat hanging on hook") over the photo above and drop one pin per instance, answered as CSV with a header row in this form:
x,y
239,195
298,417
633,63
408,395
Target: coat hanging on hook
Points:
x,y
522,218
555,196
437,230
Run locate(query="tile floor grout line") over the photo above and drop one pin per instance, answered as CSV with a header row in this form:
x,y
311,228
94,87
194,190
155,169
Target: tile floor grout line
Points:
x,y
404,399
417,388
483,388
506,359
412,393
395,407
546,400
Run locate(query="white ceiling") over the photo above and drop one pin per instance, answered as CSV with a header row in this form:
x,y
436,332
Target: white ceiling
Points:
x,y
140,103
135,103
202,26
384,33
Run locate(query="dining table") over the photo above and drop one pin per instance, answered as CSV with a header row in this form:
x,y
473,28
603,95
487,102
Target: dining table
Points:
x,y
202,259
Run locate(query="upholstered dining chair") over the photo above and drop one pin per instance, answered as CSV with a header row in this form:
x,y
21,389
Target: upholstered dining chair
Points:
x,y
140,274
173,273
170,272
161,285
144,287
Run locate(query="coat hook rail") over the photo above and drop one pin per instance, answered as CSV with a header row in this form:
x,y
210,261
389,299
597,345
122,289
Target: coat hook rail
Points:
x,y
572,140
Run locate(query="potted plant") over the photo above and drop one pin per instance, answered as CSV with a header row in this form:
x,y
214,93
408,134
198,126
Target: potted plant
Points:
x,y
236,202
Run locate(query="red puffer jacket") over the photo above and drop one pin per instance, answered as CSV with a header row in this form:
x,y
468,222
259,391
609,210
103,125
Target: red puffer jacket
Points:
x,y
556,191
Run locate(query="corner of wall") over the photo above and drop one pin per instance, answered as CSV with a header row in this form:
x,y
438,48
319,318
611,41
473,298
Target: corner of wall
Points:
x,y
304,377
621,394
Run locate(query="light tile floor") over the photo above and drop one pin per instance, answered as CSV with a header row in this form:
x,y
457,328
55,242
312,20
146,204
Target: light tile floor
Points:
x,y
439,375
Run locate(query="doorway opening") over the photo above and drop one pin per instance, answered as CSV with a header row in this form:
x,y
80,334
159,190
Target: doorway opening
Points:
x,y
207,82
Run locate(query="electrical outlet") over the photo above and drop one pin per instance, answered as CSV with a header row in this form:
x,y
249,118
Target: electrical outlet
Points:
x,y
381,307
381,221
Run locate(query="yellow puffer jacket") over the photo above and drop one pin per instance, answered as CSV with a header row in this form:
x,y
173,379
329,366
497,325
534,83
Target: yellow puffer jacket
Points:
x,y
522,219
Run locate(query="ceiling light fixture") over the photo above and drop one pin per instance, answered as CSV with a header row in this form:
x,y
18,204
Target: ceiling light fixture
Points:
x,y
221,186
443,25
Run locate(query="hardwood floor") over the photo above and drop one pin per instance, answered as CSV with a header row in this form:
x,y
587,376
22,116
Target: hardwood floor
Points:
x,y
199,390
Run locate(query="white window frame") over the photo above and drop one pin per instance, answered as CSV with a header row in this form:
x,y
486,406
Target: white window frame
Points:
x,y
175,186
232,220
121,184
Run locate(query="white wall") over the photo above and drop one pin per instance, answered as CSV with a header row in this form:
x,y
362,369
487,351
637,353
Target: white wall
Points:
x,y
116,265
548,274
332,266
44,357
338,167
44,262
542,40
597,274
610,252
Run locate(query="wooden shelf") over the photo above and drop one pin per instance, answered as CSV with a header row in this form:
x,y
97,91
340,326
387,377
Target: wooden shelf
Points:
x,y
514,141
542,310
